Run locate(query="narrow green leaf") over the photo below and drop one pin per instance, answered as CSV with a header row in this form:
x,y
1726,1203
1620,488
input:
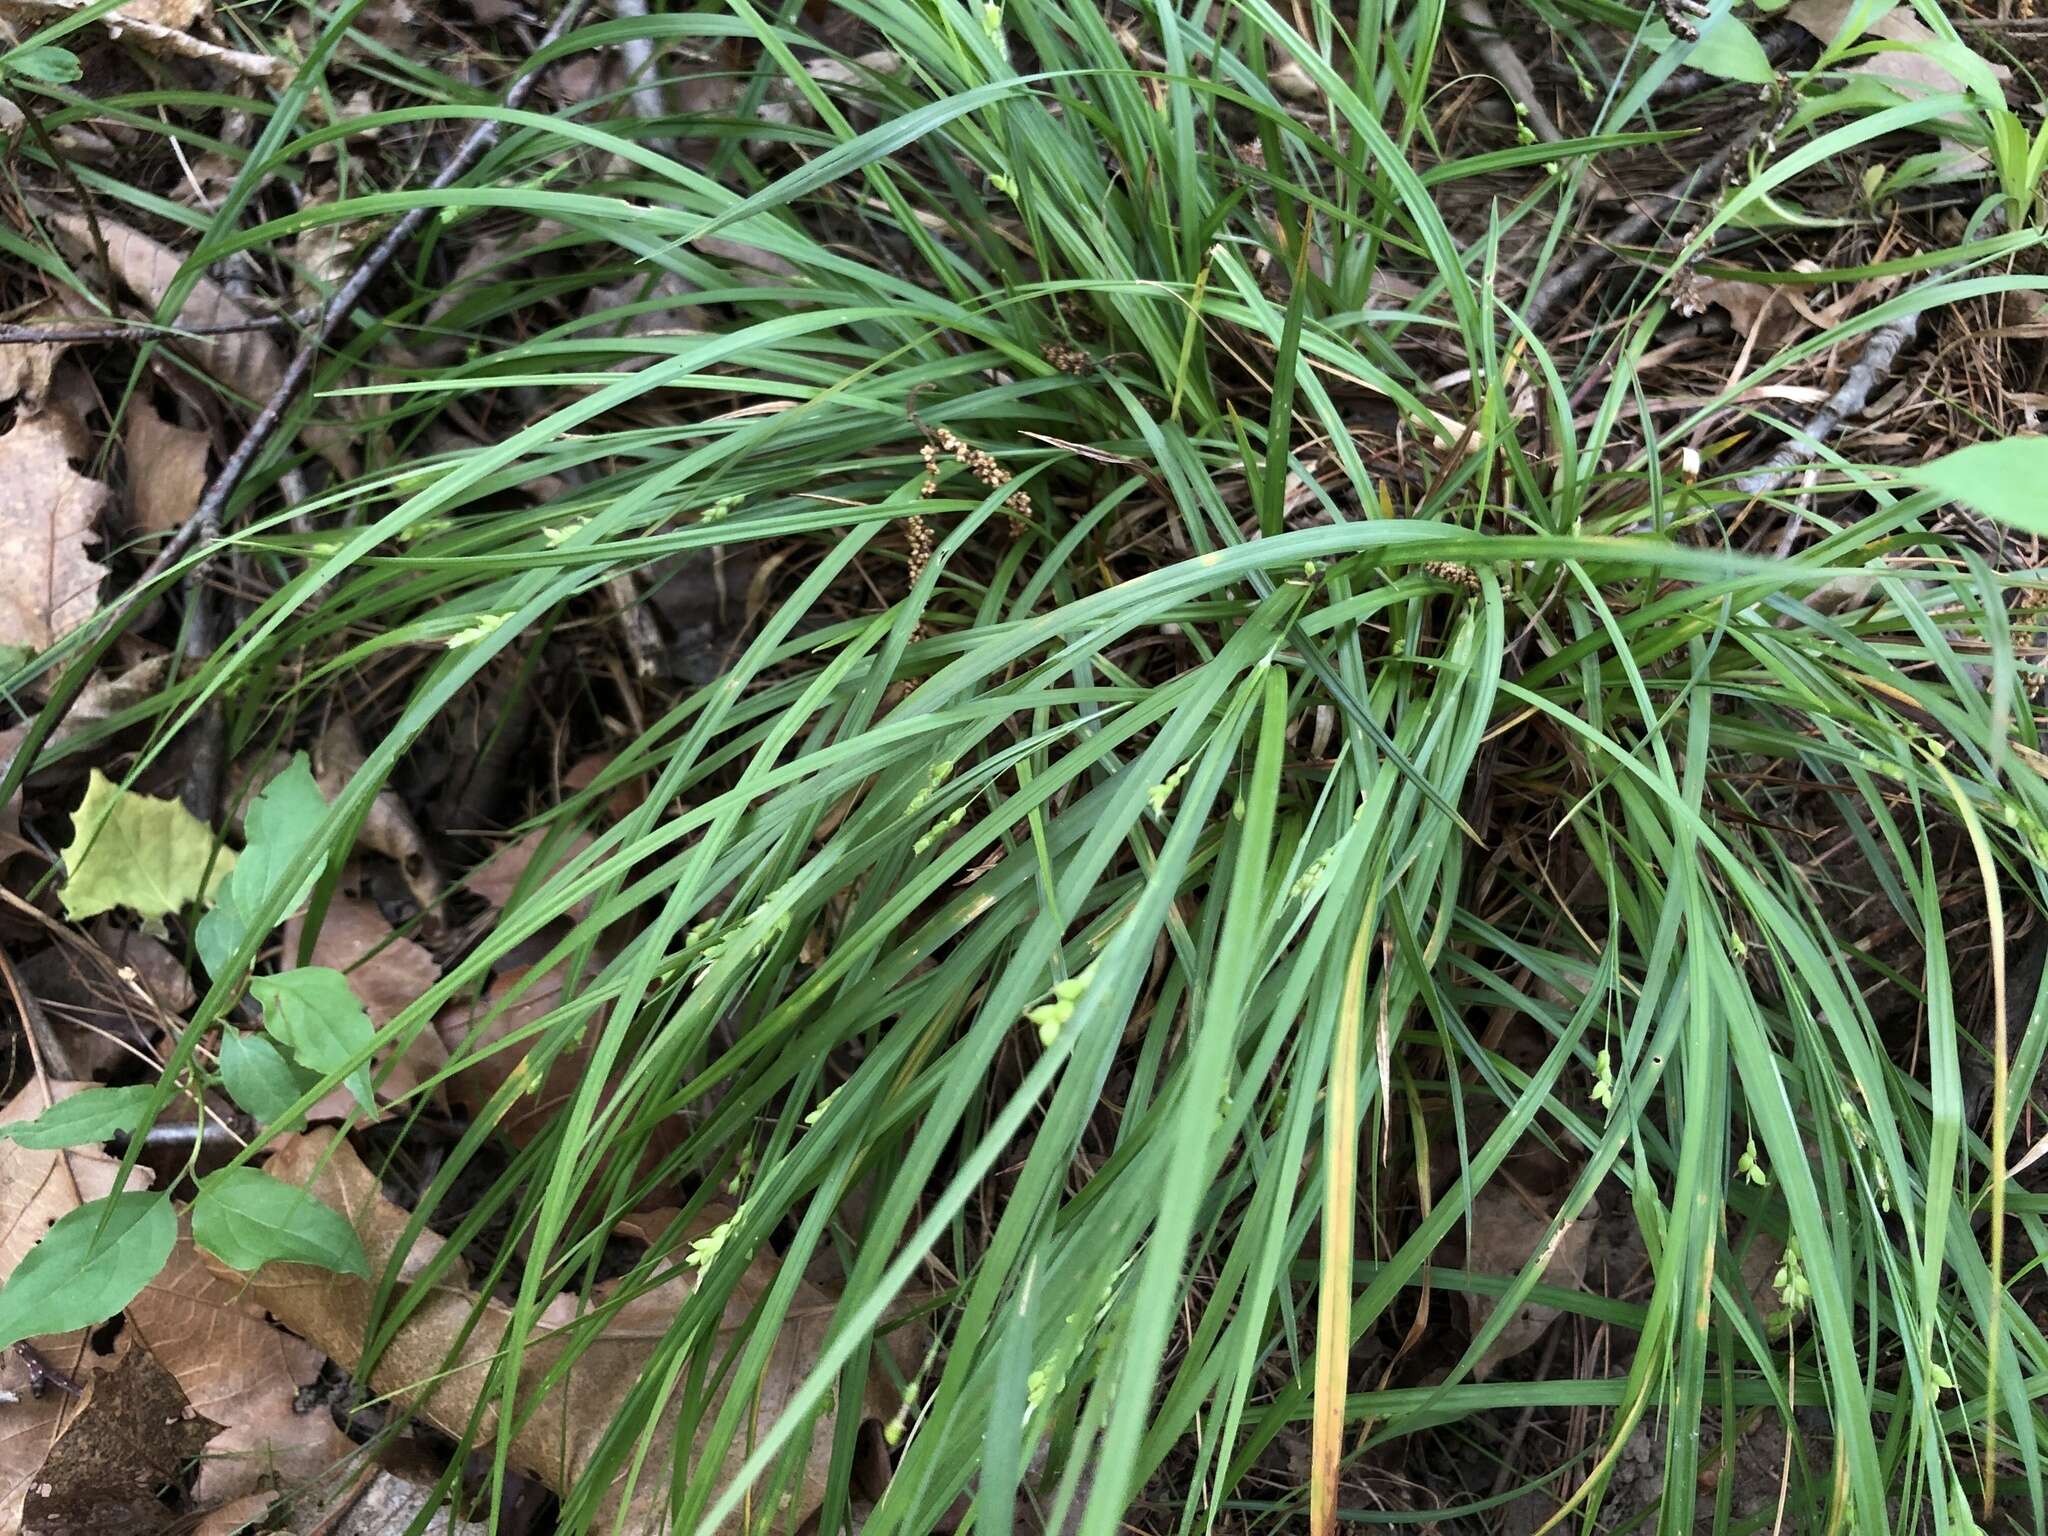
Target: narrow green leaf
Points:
x,y
246,1218
85,1119
90,1264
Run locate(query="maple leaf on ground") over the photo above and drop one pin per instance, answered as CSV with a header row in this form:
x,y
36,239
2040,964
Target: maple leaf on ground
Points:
x,y
36,1189
47,512
137,851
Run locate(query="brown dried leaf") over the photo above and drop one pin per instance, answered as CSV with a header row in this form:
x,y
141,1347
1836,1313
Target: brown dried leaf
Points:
x,y
1506,1234
166,468
128,1442
249,362
499,875
436,1344
471,1038
389,828
1826,19
234,1516
35,1189
155,969
165,13
241,1373
47,511
26,366
1747,304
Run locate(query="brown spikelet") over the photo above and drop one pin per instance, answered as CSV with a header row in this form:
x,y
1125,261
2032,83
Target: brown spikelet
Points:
x,y
1455,574
1065,358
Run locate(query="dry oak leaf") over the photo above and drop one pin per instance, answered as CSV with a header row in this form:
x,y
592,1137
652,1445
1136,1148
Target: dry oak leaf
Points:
x,y
1506,1233
1908,66
234,1516
35,1189
166,469
438,1345
499,876
240,1372
26,366
47,511
389,828
472,1035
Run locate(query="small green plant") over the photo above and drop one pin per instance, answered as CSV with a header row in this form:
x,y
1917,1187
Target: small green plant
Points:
x,y
151,856
2020,161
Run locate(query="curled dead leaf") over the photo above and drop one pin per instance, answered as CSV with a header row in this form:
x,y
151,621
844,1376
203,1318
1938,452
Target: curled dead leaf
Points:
x,y
389,828
500,875
26,366
166,468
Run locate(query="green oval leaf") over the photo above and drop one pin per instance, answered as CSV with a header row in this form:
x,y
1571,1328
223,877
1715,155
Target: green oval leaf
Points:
x,y
49,64
246,1218
2004,480
280,823
313,1015
261,1078
85,1119
90,1264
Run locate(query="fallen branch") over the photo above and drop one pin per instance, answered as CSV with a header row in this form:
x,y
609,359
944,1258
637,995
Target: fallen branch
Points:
x,y
156,38
1508,68
1872,367
143,330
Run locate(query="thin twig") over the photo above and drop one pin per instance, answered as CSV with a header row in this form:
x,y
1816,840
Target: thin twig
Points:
x,y
637,54
1880,351
1872,367
1507,67
1565,283
144,330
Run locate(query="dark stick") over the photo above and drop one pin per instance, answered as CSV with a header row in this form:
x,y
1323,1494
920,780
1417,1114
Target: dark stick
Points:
x,y
205,520
144,330
203,526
